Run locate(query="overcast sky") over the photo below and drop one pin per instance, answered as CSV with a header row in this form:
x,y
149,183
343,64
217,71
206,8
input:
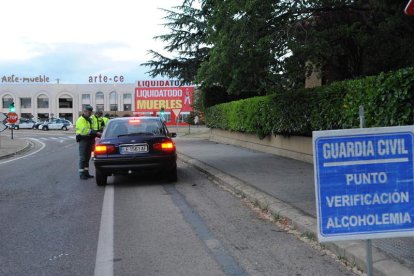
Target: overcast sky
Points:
x,y
75,39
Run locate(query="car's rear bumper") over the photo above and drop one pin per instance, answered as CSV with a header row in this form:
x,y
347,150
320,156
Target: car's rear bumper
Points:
x,y
128,165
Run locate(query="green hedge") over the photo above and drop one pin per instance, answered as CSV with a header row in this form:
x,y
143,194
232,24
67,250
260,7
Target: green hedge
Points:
x,y
388,100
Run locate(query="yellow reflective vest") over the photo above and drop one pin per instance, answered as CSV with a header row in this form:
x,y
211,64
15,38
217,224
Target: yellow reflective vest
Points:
x,y
83,126
94,121
97,123
106,120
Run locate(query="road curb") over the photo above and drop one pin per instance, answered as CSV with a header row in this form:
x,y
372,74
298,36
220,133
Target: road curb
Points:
x,y
353,251
27,146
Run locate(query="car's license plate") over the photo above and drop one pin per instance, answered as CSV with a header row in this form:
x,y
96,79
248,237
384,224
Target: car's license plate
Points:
x,y
133,149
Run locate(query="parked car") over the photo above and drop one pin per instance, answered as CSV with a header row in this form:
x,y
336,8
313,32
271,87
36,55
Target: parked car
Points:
x,y
135,144
61,124
37,124
22,123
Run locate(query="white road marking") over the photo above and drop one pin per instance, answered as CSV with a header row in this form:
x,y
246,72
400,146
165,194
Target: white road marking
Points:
x,y
104,264
42,147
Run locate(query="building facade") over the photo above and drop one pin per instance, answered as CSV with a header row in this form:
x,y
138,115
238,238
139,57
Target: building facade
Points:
x,y
43,101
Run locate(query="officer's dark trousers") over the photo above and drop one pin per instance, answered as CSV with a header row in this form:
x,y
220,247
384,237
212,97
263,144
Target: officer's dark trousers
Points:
x,y
85,148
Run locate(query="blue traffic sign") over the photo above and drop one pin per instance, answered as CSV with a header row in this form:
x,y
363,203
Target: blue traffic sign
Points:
x,y
364,183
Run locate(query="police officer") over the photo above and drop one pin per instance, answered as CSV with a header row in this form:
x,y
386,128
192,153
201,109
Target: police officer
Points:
x,y
97,121
101,122
106,119
85,136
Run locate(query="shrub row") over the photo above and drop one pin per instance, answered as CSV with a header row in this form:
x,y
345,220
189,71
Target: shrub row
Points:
x,y
388,100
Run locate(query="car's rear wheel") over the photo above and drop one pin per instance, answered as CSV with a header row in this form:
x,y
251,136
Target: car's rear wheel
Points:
x,y
101,178
45,128
64,128
172,174
16,127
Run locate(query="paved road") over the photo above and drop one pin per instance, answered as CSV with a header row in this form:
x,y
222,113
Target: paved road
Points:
x,y
55,224
285,179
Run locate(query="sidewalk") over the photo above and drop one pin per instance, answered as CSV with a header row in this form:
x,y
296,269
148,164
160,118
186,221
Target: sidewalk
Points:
x,y
9,147
285,187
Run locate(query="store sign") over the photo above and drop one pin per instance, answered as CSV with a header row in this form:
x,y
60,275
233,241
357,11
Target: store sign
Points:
x,y
17,79
161,83
364,183
149,99
106,79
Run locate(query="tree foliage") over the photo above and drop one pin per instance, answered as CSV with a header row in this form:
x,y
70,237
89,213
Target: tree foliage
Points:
x,y
186,40
253,47
347,39
240,31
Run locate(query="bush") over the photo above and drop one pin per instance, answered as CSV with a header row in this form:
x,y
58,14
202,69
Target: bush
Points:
x,y
388,100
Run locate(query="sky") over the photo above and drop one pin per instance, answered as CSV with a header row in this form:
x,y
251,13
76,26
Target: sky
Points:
x,y
73,40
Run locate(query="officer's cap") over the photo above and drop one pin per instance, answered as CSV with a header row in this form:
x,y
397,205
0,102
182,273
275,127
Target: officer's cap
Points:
x,y
89,108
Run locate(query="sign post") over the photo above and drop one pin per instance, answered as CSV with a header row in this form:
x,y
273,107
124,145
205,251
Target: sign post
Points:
x,y
176,112
12,118
364,183
368,244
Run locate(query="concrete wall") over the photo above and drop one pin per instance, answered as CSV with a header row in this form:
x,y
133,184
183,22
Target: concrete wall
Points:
x,y
296,147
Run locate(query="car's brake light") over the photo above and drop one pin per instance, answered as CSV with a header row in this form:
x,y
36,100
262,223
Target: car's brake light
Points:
x,y
165,146
104,149
134,121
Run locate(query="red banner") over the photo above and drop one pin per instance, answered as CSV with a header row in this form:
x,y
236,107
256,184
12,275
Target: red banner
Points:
x,y
152,99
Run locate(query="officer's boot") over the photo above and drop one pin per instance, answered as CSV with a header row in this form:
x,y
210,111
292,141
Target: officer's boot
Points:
x,y
87,173
83,176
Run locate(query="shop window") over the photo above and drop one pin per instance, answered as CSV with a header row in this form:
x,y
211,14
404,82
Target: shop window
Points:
x,y
6,101
25,102
127,107
43,116
99,107
127,97
26,115
100,96
113,107
65,103
42,102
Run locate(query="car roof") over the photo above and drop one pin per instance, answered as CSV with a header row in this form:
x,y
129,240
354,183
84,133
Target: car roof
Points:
x,y
135,117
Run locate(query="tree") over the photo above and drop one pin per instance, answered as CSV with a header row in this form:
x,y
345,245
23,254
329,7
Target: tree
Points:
x,y
251,47
187,39
349,39
239,31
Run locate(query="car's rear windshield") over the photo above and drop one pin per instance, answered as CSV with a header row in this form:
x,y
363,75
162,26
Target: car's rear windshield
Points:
x,y
133,126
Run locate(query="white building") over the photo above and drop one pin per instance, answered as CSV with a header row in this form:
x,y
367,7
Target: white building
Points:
x,y
43,101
